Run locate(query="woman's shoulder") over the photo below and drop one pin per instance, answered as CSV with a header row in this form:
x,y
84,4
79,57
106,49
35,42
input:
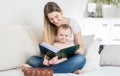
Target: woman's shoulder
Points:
x,y
72,20
74,25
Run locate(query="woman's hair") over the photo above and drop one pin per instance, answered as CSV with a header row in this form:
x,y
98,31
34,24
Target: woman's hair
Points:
x,y
64,26
49,28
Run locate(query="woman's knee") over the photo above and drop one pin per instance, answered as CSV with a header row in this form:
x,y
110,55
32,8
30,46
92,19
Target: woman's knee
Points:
x,y
34,61
80,58
31,59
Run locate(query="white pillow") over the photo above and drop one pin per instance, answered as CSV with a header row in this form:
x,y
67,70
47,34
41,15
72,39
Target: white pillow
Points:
x,y
15,46
92,56
110,55
87,40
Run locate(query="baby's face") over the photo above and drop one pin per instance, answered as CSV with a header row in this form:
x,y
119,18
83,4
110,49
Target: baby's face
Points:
x,y
64,35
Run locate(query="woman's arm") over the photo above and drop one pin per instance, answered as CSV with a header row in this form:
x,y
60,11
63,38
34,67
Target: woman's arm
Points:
x,y
78,40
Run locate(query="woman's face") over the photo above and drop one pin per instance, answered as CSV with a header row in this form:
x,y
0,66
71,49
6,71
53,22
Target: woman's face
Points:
x,y
55,18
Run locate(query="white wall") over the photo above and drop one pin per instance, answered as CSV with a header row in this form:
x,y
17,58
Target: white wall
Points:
x,y
30,12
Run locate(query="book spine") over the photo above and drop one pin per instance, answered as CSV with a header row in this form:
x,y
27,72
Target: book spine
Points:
x,y
38,72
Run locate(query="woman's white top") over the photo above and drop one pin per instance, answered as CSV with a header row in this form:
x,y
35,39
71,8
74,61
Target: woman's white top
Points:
x,y
74,25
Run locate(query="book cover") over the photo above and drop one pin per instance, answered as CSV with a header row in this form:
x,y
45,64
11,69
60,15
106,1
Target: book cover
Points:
x,y
51,51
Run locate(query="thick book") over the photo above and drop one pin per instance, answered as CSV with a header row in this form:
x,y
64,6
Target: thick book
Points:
x,y
37,71
51,51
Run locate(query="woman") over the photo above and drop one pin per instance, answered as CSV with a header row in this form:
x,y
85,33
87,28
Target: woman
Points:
x,y
53,18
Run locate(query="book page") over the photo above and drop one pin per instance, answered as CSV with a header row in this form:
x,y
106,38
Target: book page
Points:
x,y
50,47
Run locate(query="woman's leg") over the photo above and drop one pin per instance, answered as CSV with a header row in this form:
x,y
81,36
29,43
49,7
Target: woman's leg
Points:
x,y
70,65
35,61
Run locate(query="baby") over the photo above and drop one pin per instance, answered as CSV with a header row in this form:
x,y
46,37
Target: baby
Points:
x,y
64,35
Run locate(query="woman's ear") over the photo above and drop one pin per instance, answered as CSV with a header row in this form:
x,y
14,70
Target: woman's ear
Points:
x,y
61,11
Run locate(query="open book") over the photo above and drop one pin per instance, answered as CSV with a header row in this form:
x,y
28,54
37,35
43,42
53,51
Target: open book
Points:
x,y
51,51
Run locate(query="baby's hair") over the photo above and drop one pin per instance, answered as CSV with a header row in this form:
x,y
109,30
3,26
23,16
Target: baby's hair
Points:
x,y
64,26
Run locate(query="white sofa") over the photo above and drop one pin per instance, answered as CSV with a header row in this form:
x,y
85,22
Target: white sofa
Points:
x,y
17,45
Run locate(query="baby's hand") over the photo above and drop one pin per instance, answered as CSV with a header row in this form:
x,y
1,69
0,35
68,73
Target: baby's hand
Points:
x,y
54,60
46,62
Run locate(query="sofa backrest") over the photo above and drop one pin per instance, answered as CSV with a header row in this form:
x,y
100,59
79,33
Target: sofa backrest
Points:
x,y
16,46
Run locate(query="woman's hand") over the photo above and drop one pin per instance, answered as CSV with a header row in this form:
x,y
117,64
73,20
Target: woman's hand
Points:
x,y
55,60
80,51
61,60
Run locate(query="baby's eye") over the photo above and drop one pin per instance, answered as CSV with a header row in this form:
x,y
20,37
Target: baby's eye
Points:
x,y
66,35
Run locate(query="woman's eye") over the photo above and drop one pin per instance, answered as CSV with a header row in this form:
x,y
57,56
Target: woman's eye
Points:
x,y
61,35
56,16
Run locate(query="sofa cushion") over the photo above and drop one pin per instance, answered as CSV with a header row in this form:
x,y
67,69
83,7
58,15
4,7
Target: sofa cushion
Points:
x,y
15,46
110,55
87,40
92,56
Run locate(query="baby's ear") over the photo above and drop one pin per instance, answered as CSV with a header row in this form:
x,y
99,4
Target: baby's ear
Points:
x,y
71,37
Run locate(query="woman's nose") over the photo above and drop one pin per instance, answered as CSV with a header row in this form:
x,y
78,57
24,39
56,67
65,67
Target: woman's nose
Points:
x,y
55,20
